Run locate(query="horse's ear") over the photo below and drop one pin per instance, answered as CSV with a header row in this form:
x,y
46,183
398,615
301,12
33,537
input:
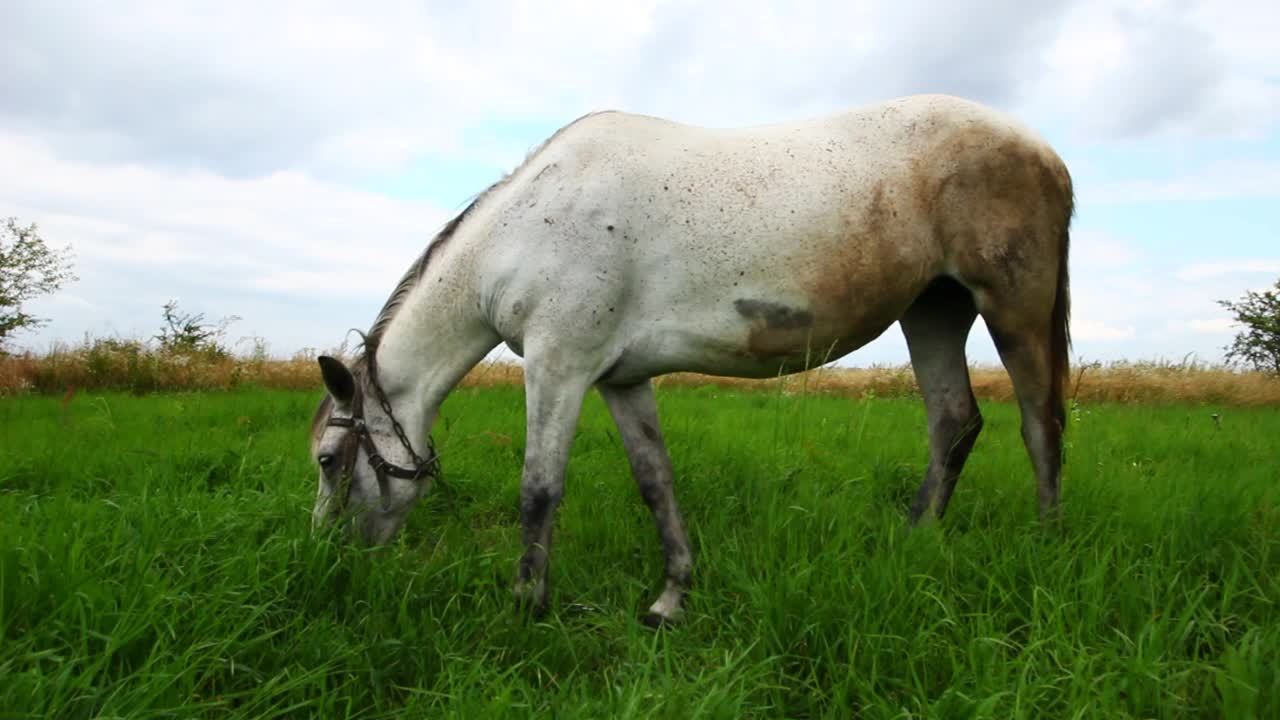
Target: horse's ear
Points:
x,y
337,380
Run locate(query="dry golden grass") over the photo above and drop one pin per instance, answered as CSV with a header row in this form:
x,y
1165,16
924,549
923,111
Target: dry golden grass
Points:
x,y
130,366
133,366
1118,383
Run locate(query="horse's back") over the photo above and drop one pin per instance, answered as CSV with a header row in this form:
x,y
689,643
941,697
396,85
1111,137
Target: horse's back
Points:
x,y
868,136
745,249
782,189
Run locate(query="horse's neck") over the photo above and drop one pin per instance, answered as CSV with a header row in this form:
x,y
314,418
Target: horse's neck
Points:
x,y
435,337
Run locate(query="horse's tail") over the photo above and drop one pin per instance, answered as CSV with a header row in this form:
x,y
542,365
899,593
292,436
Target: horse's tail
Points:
x,y
1060,323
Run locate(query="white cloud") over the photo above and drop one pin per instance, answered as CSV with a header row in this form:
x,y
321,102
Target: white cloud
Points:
x,y
1146,310
1098,331
143,235
213,154
1201,271
251,88
1225,179
164,216
66,298
254,88
1212,326
1180,68
1093,249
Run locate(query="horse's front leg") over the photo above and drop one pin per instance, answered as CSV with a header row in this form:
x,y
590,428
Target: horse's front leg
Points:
x,y
553,401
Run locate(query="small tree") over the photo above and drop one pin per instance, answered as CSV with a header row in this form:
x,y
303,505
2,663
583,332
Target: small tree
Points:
x,y
28,267
1259,344
188,334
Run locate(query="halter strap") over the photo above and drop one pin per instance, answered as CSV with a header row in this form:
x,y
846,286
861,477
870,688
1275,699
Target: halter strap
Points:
x,y
429,467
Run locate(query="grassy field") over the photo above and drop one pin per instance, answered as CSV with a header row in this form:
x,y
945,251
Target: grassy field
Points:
x,y
155,562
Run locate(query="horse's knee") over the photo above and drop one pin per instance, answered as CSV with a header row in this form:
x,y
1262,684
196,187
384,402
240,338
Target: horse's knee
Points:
x,y
537,501
969,429
956,431
654,490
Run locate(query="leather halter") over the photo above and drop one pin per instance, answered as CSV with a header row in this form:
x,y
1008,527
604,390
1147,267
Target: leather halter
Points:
x,y
382,468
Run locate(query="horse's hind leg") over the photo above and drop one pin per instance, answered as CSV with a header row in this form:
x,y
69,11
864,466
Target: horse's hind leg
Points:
x,y
1027,345
936,327
636,413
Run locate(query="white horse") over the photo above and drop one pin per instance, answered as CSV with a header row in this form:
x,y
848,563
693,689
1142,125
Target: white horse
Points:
x,y
626,247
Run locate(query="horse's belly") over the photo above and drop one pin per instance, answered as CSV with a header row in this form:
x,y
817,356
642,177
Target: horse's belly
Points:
x,y
750,338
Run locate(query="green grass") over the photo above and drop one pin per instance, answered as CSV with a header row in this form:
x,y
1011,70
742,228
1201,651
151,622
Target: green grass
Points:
x,y
155,561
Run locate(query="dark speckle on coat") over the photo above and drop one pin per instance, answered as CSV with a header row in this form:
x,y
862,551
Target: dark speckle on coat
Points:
x,y
650,432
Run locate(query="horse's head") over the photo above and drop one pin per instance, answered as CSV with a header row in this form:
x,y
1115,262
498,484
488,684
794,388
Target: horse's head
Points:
x,y
370,474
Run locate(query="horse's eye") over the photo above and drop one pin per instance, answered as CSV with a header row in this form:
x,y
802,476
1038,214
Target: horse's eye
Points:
x,y
325,460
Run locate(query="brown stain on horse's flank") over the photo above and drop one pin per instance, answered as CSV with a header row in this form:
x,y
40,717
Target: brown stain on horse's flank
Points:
x,y
869,276
977,199
996,201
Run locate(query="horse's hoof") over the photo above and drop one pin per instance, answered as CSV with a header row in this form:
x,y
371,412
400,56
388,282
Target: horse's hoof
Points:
x,y
657,621
531,598
665,613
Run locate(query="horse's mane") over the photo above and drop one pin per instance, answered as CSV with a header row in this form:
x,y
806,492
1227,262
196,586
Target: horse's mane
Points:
x,y
370,340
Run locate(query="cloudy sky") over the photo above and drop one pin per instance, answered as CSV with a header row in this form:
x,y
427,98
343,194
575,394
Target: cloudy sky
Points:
x,y
283,162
